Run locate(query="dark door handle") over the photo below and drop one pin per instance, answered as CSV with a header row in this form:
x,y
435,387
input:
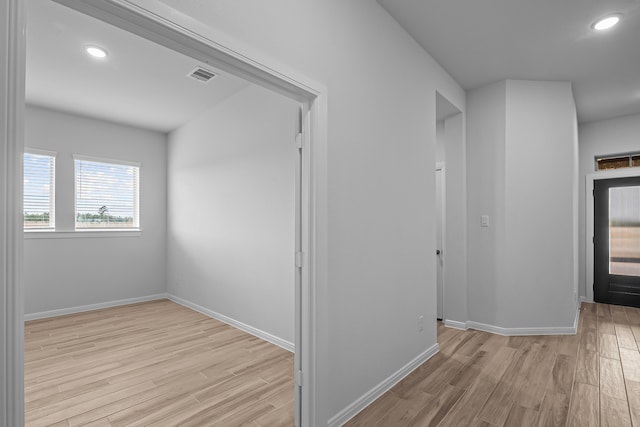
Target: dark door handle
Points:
x,y
438,252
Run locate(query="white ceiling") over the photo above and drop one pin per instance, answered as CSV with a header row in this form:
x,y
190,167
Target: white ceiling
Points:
x,y
140,83
484,41
478,42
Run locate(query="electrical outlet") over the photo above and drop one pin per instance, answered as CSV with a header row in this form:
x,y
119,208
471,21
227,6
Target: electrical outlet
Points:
x,y
420,323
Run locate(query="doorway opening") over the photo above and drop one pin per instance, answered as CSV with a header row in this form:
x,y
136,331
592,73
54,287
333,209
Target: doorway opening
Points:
x,y
617,241
309,145
440,227
590,224
450,248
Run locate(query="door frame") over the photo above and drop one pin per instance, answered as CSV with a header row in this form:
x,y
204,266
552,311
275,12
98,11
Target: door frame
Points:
x,y
148,19
589,220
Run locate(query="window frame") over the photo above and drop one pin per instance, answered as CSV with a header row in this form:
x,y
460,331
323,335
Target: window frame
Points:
x,y
137,221
630,157
52,190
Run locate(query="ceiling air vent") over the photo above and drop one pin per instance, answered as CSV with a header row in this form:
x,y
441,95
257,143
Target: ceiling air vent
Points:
x,y
201,74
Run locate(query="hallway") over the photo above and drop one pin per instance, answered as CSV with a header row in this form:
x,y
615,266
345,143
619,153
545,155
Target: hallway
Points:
x,y
481,379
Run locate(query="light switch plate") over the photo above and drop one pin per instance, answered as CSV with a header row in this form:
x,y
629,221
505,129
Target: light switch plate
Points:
x,y
484,221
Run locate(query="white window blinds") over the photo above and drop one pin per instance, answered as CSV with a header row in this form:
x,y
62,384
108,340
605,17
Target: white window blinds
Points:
x,y
39,190
106,194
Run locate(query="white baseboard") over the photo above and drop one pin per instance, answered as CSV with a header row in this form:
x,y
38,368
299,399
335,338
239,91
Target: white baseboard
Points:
x,y
455,324
235,323
91,307
554,330
369,397
509,332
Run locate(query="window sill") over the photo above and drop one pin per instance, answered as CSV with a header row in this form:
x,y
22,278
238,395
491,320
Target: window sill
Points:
x,y
80,234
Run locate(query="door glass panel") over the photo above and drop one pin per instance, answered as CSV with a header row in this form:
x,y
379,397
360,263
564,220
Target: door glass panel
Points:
x,y
624,231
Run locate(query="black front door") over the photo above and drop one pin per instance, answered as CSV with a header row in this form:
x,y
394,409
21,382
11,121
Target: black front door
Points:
x,y
617,241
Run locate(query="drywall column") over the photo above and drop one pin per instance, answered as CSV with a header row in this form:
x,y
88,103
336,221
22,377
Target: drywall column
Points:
x,y
540,287
522,149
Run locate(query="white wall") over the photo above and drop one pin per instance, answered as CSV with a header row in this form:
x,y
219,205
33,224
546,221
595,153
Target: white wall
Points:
x,y
614,136
381,150
231,212
522,149
540,183
62,273
440,142
486,115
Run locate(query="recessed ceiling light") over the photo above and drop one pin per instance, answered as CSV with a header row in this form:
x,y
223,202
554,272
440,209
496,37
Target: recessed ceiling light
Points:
x,y
95,51
606,22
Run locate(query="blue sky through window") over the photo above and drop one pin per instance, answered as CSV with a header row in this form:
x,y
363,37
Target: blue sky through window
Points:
x,y
38,181
108,191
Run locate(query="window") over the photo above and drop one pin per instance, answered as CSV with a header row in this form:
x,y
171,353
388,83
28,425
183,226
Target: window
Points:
x,y
106,194
618,161
39,190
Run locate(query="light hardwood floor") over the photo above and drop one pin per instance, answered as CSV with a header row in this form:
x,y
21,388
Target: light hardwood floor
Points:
x,y
155,363
162,364
480,379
